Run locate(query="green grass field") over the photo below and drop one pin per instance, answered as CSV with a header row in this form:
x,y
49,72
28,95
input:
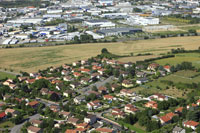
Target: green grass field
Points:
x,y
4,75
179,58
6,124
181,76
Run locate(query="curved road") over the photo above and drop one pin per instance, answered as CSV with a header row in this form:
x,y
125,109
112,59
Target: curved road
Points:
x,y
17,128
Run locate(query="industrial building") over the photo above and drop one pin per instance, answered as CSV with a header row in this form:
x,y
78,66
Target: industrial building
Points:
x,y
119,31
98,23
137,20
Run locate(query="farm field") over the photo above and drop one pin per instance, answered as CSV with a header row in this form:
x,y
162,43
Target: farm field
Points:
x,y
34,58
181,76
136,58
179,58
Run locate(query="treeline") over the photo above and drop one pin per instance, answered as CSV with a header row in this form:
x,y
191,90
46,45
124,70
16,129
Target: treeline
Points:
x,y
182,50
144,119
22,3
54,22
153,59
181,85
183,19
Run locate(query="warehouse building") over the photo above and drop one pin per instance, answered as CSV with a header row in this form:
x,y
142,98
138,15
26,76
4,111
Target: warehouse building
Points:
x,y
119,31
98,23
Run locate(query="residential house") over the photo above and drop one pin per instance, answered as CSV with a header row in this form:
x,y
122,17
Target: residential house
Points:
x,y
65,72
77,74
159,97
114,87
127,83
44,91
179,110
2,115
85,71
153,67
36,122
123,73
93,92
198,102
167,118
128,64
140,74
75,85
33,104
32,129
108,97
83,62
127,92
6,97
141,80
8,82
66,67
130,109
151,104
76,63
12,111
12,86
30,81
68,93
79,99
91,119
101,71
95,67
55,108
140,67
73,121
21,79
192,106
104,130
65,114
95,76
33,75
191,124
85,80
167,68
68,78
94,105
71,131
118,113
102,90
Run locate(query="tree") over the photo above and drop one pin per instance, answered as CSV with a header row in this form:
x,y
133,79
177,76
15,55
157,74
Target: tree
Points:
x,y
121,78
104,50
18,119
143,121
137,10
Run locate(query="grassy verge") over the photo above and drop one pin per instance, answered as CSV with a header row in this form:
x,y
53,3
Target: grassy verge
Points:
x,y
4,75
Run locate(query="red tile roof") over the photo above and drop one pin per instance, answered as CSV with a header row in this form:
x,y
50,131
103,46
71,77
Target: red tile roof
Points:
x,y
105,130
2,115
33,103
191,123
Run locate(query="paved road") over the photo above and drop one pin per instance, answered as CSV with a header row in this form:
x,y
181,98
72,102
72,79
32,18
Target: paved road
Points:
x,y
17,128
97,84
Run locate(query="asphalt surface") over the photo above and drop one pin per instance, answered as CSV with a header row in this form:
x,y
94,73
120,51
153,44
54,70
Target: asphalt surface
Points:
x,y
17,128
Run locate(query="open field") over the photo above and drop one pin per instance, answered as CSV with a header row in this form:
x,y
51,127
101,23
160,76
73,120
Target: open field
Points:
x,y
179,58
137,58
4,75
6,124
181,76
35,58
